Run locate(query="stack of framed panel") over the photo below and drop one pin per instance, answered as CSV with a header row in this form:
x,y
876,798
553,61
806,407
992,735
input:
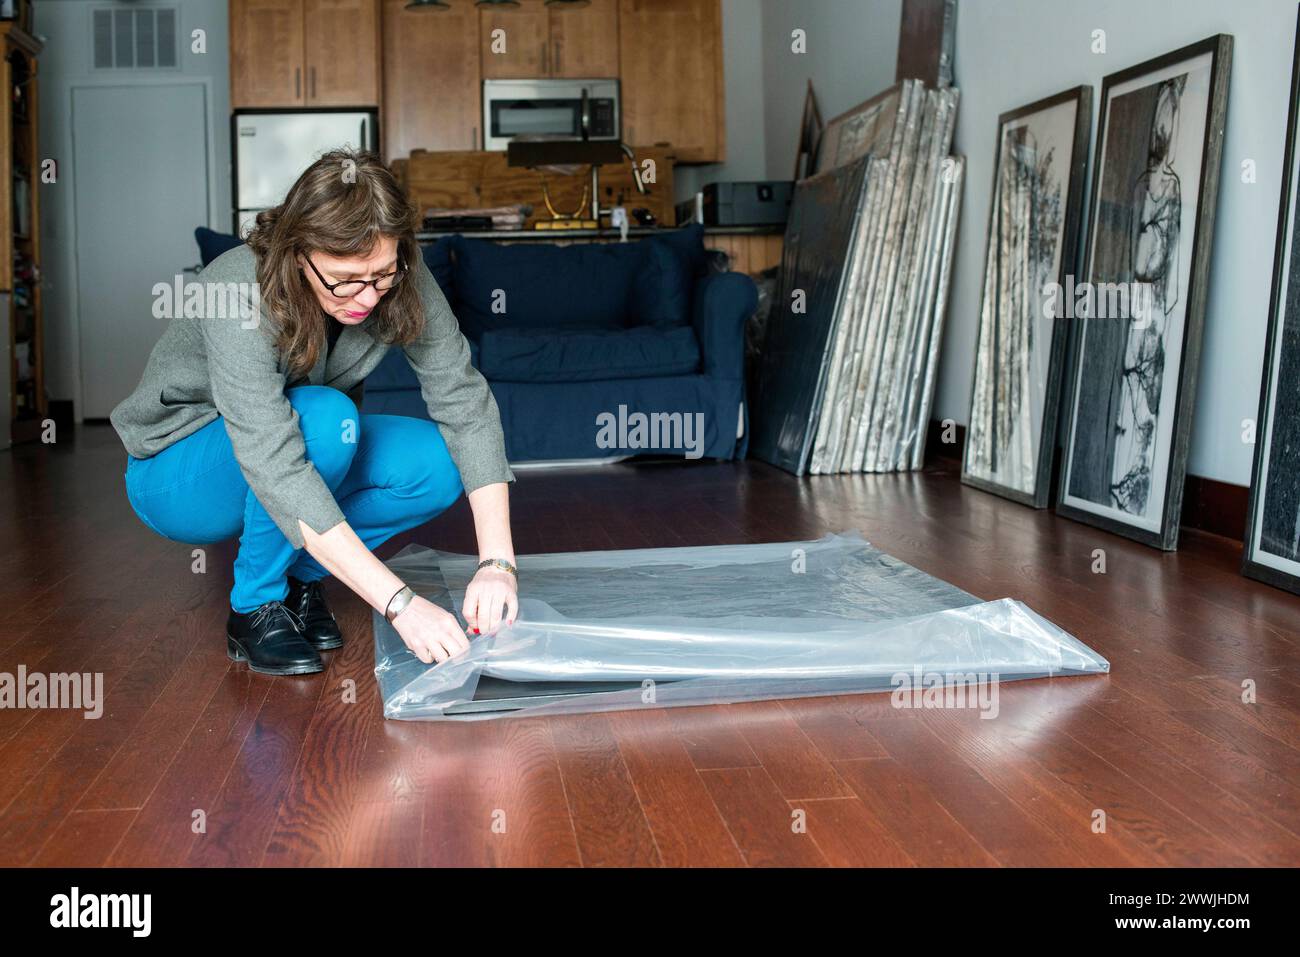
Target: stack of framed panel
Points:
x,y
849,362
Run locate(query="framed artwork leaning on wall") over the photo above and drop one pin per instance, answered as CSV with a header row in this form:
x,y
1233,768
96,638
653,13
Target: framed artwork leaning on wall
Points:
x,y
1138,317
1033,242
1272,552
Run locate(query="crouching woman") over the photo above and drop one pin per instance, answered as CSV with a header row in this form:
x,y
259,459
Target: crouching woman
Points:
x,y
246,424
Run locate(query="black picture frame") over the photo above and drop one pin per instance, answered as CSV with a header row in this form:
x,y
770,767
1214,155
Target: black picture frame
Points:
x,y
810,132
792,368
1285,289
1072,212
1165,536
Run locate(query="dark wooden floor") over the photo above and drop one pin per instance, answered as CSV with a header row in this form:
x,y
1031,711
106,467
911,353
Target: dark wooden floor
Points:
x,y
287,772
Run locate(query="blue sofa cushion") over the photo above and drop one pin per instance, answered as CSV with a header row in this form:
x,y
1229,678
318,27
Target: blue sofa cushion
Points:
x,y
212,243
586,353
661,289
536,285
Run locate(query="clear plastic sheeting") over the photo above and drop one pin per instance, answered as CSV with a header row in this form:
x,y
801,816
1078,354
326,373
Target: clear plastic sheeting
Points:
x,y
606,630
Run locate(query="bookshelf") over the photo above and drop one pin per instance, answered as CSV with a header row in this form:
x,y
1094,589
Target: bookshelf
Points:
x,y
20,248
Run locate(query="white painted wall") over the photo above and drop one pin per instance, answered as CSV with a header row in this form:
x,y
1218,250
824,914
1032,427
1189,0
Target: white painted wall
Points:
x,y
852,52
1011,52
852,48
66,62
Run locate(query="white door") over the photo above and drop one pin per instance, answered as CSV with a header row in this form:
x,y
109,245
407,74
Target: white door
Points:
x,y
140,172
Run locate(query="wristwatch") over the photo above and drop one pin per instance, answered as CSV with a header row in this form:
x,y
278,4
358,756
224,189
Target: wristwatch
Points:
x,y
399,601
498,563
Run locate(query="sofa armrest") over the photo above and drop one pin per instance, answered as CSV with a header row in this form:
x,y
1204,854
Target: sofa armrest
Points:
x,y
722,304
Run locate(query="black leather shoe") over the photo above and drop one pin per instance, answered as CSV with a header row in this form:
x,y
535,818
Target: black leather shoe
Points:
x,y
270,639
307,601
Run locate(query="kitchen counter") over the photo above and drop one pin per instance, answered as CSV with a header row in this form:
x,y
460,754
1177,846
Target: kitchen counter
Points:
x,y
749,249
551,235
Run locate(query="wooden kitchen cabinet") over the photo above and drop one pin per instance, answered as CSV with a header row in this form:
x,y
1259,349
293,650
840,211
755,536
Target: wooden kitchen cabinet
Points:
x,y
584,40
667,55
431,79
524,31
550,41
670,65
341,40
287,53
266,53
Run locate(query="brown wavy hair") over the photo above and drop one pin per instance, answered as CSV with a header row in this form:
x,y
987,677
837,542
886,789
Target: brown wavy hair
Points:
x,y
341,205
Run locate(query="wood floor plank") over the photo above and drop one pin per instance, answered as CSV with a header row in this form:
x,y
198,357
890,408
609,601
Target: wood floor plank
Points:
x,y
765,827
290,774
176,813
1236,729
848,835
710,737
100,654
1155,765
142,761
1173,836
243,814
831,727
494,796
912,815
1049,800
84,839
1182,786
43,649
607,816
800,771
53,792
312,820
688,830
1234,770
386,824
1004,829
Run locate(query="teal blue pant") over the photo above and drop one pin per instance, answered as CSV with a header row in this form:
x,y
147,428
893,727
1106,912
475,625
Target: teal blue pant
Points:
x,y
397,474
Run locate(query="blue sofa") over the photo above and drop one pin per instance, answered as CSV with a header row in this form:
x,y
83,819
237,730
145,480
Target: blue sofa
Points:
x,y
576,340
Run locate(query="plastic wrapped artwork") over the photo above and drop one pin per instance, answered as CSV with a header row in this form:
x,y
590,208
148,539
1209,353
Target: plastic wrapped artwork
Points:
x,y
607,630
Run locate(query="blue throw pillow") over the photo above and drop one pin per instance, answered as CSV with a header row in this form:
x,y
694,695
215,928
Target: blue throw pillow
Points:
x,y
689,242
212,243
437,256
661,291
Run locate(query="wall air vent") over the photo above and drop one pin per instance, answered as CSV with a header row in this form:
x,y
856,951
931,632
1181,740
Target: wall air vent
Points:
x,y
134,37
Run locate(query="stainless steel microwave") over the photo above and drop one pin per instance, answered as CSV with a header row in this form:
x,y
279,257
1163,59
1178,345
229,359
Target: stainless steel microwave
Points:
x,y
551,109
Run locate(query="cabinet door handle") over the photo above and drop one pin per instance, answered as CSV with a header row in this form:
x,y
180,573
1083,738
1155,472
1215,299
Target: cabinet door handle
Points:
x,y
313,83
546,58
473,137
297,82
558,61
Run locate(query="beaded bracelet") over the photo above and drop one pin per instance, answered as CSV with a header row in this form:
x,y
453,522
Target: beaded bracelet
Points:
x,y
499,563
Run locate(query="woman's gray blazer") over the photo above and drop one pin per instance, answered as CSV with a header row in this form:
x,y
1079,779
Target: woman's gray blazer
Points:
x,y
222,360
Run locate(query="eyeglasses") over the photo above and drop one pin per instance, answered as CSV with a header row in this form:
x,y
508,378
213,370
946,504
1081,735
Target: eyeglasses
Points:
x,y
353,287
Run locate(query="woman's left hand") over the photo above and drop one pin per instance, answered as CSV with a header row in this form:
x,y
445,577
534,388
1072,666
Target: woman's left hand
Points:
x,y
490,590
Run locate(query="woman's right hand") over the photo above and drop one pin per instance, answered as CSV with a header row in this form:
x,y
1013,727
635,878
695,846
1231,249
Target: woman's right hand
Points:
x,y
431,633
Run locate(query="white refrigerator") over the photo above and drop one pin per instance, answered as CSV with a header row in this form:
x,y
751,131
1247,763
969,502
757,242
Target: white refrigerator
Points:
x,y
272,148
